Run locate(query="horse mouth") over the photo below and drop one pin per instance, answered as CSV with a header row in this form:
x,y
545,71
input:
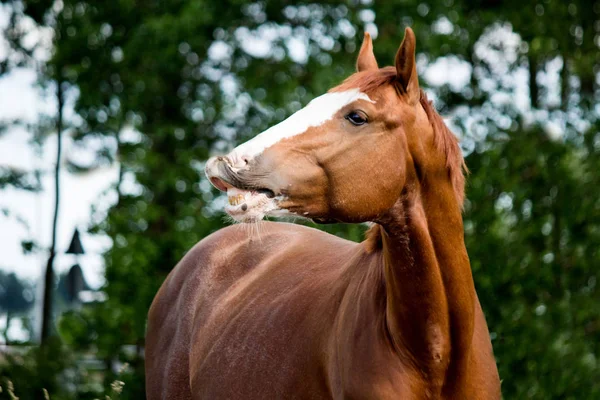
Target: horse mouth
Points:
x,y
246,205
247,199
249,205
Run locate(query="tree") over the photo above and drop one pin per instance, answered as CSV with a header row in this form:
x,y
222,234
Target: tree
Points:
x,y
16,297
23,53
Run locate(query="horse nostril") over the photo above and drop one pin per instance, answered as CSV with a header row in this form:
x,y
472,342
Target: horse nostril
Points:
x,y
245,160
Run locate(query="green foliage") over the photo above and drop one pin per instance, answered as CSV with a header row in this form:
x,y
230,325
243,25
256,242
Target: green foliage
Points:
x,y
10,177
34,369
532,232
162,84
16,296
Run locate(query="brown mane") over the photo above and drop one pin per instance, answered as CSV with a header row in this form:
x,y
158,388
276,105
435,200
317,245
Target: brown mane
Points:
x,y
447,143
368,81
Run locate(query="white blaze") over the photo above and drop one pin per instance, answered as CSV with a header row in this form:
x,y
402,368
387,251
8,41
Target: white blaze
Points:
x,y
318,111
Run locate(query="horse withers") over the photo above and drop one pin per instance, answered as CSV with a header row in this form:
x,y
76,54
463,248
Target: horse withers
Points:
x,y
300,314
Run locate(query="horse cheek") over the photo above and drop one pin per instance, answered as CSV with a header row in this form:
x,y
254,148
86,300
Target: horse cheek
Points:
x,y
393,179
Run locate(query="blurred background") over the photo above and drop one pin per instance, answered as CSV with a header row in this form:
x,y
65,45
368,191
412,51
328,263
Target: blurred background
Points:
x,y
131,97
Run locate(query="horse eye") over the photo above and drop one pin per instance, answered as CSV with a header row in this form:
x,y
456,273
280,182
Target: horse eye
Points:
x,y
356,118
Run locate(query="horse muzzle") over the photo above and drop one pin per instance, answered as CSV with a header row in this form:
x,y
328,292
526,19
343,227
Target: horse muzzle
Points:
x,y
248,198
222,175
217,170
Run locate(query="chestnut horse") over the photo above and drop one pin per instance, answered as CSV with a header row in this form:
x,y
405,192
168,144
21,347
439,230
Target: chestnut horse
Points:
x,y
301,314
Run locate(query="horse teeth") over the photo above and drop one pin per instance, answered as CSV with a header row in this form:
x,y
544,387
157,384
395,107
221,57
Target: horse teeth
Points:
x,y
235,200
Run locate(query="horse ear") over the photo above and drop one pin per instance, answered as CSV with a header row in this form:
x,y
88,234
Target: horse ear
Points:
x,y
366,59
406,67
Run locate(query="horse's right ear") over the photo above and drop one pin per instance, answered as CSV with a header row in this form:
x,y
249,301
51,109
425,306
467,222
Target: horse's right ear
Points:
x,y
366,59
406,67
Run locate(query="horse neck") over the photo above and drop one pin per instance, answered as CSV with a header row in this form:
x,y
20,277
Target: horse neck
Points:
x,y
429,284
445,224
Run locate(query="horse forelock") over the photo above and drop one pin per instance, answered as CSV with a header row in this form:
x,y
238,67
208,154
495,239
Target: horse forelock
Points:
x,y
367,81
445,141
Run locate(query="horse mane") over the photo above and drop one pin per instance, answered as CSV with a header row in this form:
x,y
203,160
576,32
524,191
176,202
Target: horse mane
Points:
x,y
447,143
444,139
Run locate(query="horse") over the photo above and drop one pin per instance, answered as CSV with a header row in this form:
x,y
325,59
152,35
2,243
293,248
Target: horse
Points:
x,y
296,313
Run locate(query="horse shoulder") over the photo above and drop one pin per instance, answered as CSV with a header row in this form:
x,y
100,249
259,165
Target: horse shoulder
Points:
x,y
200,275
192,289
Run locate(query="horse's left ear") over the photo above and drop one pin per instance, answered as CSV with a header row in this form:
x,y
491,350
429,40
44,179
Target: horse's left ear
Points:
x,y
406,67
366,59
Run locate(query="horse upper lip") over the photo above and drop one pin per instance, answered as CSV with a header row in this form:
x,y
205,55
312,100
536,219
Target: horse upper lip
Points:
x,y
214,173
219,183
222,176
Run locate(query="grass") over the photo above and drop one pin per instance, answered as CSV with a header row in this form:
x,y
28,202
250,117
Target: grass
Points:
x,y
116,388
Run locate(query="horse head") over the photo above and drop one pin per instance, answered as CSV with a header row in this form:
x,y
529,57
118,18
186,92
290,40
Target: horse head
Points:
x,y
349,154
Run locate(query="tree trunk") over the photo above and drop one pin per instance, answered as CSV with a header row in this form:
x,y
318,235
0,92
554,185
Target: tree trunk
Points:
x,y
564,84
49,276
533,85
6,328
